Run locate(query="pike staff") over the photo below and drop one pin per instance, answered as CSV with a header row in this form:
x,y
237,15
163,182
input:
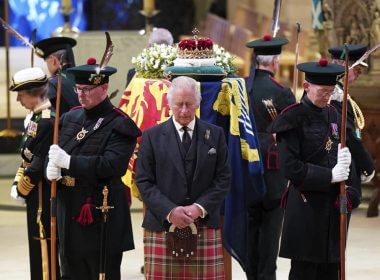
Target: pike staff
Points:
x,y
53,199
295,73
342,193
276,18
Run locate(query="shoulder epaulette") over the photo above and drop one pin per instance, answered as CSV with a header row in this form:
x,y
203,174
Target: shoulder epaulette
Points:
x,y
47,113
120,112
290,107
76,108
276,82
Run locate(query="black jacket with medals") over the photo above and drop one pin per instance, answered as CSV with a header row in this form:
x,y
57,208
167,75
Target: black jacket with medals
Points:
x,y
308,139
99,157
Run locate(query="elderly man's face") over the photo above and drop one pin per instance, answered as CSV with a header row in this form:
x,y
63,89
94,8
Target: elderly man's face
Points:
x,y
319,95
90,96
183,105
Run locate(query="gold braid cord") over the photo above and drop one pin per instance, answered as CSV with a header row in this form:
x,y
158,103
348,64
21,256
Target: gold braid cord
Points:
x,y
24,186
359,118
19,174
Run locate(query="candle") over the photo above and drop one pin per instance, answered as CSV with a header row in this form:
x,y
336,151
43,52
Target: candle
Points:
x,y
66,4
148,5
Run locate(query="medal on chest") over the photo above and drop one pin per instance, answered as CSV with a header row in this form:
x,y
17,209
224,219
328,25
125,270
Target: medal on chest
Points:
x,y
98,123
334,134
32,129
81,134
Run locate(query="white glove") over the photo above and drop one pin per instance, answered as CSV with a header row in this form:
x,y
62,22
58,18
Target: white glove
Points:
x,y
59,157
340,173
53,172
365,179
344,156
15,196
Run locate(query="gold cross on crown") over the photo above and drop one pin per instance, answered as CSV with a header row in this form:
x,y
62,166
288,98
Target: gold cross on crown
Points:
x,y
195,32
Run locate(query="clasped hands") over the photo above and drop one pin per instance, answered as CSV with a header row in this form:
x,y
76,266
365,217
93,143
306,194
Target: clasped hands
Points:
x,y
341,170
58,159
183,216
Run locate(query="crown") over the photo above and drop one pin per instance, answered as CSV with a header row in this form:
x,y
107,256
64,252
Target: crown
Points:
x,y
196,48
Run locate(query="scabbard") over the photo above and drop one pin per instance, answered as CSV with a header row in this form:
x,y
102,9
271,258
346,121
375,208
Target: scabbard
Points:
x,y
103,246
42,237
44,252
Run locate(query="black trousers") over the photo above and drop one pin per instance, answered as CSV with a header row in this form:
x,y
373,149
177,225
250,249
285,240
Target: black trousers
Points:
x,y
87,267
313,271
263,242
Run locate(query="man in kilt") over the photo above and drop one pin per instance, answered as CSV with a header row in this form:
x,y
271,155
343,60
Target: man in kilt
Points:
x,y
183,175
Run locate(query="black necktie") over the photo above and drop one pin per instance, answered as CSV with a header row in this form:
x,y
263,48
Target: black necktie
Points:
x,y
186,139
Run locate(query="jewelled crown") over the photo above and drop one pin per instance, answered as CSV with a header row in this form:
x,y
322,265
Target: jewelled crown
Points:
x,y
195,48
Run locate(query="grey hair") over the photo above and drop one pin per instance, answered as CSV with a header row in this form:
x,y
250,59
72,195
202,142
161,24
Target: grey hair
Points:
x,y
160,36
183,82
266,60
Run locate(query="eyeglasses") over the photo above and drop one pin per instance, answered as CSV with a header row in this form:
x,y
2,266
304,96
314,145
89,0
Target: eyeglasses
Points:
x,y
323,92
85,90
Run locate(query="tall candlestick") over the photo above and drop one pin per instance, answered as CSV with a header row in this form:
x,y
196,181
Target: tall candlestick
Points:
x,y
66,4
149,5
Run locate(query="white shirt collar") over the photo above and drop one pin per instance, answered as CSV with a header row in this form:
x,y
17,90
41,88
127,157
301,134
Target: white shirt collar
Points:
x,y
190,126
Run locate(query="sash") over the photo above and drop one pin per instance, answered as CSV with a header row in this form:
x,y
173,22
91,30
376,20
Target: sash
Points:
x,y
72,143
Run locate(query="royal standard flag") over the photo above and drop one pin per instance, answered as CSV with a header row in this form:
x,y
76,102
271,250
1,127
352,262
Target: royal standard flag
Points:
x,y
226,104
145,103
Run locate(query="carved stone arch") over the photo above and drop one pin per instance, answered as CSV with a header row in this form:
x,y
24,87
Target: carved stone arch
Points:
x,y
350,14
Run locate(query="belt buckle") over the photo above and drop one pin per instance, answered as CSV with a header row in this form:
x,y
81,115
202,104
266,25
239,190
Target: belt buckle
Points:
x,y
68,181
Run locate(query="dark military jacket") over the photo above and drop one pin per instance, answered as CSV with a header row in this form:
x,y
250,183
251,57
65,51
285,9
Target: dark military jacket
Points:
x,y
69,99
363,160
266,88
37,138
308,139
100,141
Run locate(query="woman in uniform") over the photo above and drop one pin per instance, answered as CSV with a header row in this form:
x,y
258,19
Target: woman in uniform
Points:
x,y
29,184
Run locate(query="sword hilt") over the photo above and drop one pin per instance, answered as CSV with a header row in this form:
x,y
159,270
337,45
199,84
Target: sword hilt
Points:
x,y
105,207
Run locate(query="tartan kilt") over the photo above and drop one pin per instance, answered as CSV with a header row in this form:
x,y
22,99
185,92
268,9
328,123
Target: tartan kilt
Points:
x,y
206,265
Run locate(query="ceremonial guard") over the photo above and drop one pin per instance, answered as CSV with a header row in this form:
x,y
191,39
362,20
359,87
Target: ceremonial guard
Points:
x,y
54,50
308,137
364,165
29,184
96,141
267,98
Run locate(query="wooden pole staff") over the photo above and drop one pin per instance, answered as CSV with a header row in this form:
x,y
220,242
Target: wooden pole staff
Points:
x,y
295,71
342,193
6,18
53,199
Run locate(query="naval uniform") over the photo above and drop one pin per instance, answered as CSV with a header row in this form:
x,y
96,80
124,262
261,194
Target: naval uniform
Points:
x,y
265,218
36,141
100,142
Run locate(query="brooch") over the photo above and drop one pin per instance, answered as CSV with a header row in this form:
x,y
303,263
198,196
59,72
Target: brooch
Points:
x,y
328,145
81,134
